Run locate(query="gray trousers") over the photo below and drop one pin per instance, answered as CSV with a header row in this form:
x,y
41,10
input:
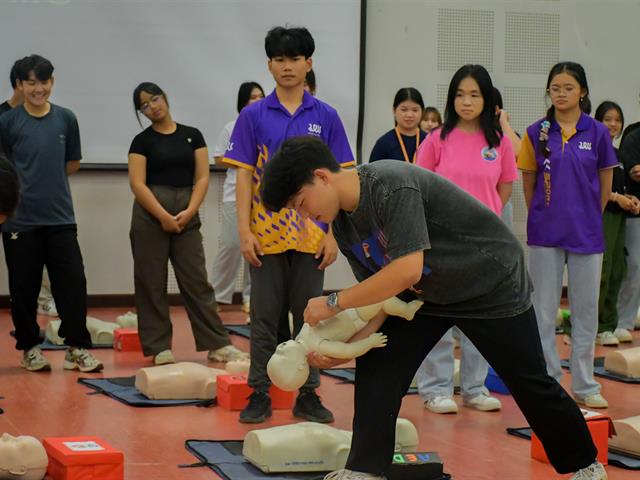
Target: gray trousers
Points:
x,y
228,261
285,282
546,266
629,296
435,375
152,249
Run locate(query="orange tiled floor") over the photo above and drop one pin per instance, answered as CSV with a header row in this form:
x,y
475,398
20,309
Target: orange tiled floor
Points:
x,y
474,445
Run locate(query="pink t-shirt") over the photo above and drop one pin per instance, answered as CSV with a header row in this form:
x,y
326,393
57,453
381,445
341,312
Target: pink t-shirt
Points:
x,y
465,159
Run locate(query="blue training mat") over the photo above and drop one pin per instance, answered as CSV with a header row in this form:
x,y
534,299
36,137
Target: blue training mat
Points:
x,y
615,458
226,460
47,345
123,389
599,371
242,330
348,375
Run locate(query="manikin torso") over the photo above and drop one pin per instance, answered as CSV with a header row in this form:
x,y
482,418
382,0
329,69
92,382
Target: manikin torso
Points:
x,y
178,381
22,457
101,332
311,447
624,362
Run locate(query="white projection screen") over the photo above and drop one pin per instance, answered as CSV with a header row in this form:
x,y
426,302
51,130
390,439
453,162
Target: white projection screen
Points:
x,y
197,51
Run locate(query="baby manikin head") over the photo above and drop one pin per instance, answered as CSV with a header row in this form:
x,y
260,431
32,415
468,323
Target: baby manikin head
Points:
x,y
288,368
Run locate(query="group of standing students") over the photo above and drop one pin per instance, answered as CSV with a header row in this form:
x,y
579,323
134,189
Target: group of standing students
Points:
x,y
577,216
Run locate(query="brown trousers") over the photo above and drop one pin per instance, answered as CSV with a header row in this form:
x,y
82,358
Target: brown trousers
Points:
x,y
152,249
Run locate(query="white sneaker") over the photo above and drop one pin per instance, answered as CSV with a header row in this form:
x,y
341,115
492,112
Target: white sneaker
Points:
x,y
163,358
246,308
345,474
593,401
227,354
595,471
566,339
34,361
48,308
441,404
623,335
483,402
607,339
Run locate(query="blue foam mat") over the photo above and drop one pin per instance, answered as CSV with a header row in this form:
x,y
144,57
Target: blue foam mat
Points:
x,y
226,460
123,389
348,375
242,330
599,371
615,458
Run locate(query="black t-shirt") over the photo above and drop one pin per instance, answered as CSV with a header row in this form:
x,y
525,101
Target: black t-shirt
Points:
x,y
388,147
630,152
5,107
619,183
170,157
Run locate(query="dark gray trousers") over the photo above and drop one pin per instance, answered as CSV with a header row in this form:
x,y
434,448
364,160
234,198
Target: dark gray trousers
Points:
x,y
285,282
152,248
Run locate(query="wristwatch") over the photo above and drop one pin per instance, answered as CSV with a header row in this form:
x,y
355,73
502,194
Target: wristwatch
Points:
x,y
332,302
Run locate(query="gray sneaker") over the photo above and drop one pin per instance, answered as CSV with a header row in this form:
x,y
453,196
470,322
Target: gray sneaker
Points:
x,y
34,361
345,474
227,354
595,471
81,359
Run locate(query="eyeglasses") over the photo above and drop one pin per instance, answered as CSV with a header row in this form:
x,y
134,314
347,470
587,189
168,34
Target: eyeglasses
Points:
x,y
556,90
152,101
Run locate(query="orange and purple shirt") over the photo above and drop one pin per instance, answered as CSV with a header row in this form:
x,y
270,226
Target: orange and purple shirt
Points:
x,y
258,133
566,209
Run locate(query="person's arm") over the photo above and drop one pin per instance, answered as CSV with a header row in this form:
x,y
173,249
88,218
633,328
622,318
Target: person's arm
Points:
x,y
516,142
218,160
200,187
145,197
504,191
606,178
529,167
249,244
72,166
327,249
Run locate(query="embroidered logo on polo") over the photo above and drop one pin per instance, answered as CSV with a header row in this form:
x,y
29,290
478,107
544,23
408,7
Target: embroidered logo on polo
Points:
x,y
489,154
314,129
188,139
584,145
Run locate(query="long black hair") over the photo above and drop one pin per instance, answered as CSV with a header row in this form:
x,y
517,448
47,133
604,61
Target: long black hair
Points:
x,y
244,93
146,87
577,72
492,132
604,107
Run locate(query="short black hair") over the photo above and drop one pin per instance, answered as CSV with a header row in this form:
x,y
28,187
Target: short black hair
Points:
x,y
292,167
40,66
9,187
13,75
289,42
244,93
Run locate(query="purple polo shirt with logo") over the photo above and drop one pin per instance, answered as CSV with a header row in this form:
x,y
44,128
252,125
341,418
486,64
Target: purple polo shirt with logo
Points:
x,y
258,133
566,211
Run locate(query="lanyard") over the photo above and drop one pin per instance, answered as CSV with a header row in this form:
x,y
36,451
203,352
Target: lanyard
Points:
x,y
404,150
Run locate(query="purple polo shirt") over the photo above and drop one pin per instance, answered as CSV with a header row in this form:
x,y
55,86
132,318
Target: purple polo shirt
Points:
x,y
258,133
566,211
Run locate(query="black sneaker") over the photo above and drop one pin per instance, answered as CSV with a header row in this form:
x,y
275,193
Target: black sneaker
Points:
x,y
309,407
258,409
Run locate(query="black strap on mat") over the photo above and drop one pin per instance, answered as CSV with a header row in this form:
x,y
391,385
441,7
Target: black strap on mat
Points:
x,y
617,459
599,371
123,390
242,330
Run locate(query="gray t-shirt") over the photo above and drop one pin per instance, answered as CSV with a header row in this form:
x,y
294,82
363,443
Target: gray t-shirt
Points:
x,y
473,265
39,148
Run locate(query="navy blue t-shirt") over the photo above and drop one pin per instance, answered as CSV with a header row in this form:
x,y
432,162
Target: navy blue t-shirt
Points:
x,y
388,147
39,149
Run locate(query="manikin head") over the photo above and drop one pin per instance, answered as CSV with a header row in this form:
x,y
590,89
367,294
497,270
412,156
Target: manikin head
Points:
x,y
288,368
22,457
